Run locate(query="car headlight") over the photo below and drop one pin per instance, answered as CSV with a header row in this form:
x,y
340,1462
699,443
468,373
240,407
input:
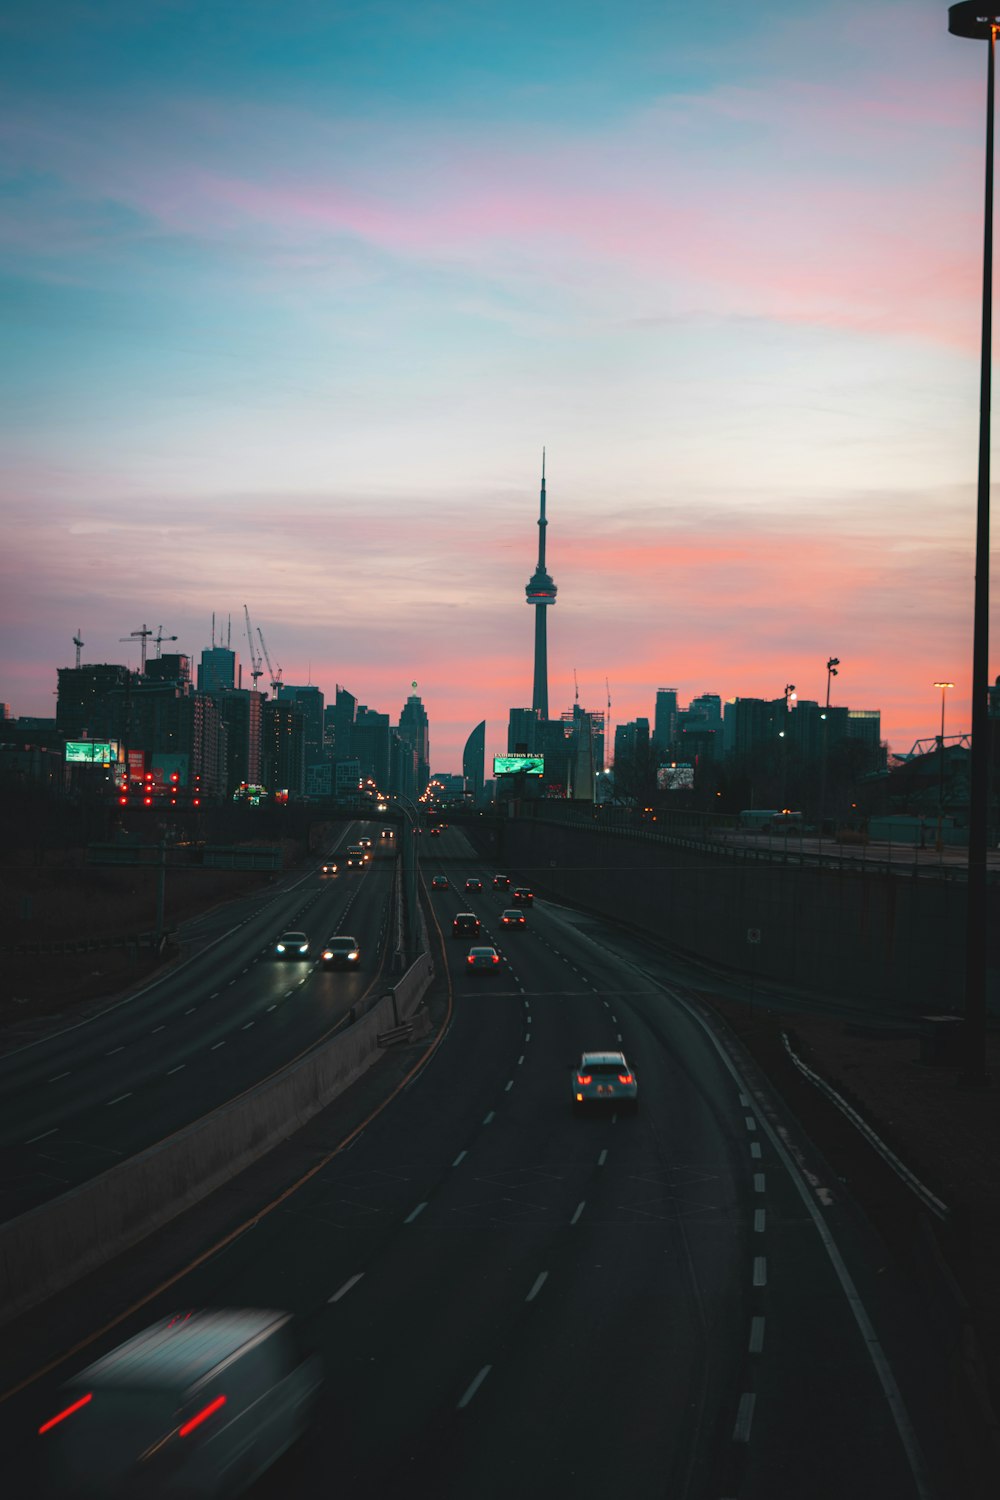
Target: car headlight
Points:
x,y
353,954
304,948
281,948
327,953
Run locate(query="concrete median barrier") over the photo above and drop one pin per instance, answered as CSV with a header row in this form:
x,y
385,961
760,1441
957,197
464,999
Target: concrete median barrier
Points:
x,y
49,1248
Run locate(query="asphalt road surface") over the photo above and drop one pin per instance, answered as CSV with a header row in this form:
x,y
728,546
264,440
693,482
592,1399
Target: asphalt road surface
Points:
x,y
510,1299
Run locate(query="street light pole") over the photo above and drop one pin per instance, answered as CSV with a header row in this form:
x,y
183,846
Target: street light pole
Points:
x,y
832,664
968,19
939,841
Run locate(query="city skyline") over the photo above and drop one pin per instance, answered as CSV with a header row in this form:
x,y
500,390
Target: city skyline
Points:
x,y
295,302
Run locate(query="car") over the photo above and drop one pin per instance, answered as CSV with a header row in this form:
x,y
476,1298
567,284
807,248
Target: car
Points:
x,y
501,882
435,833
356,857
201,1404
473,884
329,868
292,945
386,833
342,952
365,843
440,883
466,922
604,1078
513,917
522,895
482,960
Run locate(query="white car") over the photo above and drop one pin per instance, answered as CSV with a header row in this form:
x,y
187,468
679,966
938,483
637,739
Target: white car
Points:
x,y
292,945
604,1078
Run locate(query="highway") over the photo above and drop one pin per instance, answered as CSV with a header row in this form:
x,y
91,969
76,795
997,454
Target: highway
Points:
x,y
75,1103
511,1299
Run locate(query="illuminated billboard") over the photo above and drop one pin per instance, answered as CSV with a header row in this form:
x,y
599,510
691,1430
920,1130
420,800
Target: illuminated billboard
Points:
x,y
509,765
92,752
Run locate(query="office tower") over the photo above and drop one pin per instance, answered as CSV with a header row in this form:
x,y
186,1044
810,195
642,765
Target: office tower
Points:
x,y
82,704
284,748
541,592
522,731
474,762
664,717
219,670
414,728
309,701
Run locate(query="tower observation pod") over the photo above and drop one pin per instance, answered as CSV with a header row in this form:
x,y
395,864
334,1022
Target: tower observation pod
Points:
x,y
541,592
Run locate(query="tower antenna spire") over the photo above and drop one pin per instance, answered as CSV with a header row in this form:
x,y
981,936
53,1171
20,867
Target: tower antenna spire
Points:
x,y
541,592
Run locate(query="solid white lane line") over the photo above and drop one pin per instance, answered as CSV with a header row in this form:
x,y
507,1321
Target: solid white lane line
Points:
x,y
760,1270
744,1418
418,1210
156,1029
489,1117
579,1210
216,1046
751,1123
755,1149
43,1135
758,1182
459,1158
758,1221
58,1076
247,1026
602,1158
352,1281
756,1335
114,1050
119,1099
176,1070
473,1388
540,1281
509,1086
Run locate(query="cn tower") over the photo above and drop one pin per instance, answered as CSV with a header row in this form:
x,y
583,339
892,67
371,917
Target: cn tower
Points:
x,y
541,592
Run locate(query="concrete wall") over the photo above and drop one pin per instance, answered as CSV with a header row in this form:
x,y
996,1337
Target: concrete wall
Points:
x,y
54,1245
894,941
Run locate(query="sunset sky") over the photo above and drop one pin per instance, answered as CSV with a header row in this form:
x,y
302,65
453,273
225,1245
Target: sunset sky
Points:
x,y
295,293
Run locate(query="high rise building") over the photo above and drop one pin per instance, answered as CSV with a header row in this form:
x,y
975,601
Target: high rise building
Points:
x,y
664,717
541,592
82,705
631,739
309,701
371,739
474,762
242,713
284,748
522,731
414,728
219,670
344,708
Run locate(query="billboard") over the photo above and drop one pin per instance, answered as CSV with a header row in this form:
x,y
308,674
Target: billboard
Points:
x,y
92,752
508,765
675,777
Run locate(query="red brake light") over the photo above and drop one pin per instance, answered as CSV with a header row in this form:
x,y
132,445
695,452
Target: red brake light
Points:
x,y
625,1078
584,1078
495,959
471,960
62,1415
202,1416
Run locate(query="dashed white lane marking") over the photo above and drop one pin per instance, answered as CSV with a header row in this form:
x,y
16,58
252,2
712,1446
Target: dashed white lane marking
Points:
x,y
758,1182
528,1019
619,1036
171,1071
755,1149
489,1117
416,1212
156,1029
217,1045
756,1335
615,1019
114,1050
246,970
744,1101
602,1158
459,1158
60,1075
758,1221
527,1036
119,1099
473,1388
232,981
274,1006
540,1281
520,1059
287,993
750,1122
352,1281
192,1010
247,1026
43,1135
215,996
579,1210
744,1418
509,1086
760,1270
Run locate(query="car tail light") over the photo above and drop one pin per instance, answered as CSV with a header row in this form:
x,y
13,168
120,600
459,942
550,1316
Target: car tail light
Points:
x,y
470,959
495,959
625,1078
584,1078
61,1416
202,1416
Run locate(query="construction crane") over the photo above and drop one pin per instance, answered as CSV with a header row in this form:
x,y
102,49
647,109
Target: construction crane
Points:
x,y
256,670
143,635
275,675
78,643
159,638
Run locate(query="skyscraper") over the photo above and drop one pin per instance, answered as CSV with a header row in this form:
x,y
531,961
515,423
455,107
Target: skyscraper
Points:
x,y
541,592
474,762
413,728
